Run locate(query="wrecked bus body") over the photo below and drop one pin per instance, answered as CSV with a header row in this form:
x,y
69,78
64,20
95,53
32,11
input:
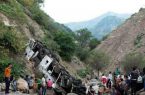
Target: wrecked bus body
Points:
x,y
48,63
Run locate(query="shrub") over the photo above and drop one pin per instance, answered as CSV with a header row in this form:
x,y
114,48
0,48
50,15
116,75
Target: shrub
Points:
x,y
105,37
26,3
66,43
51,44
11,39
94,42
13,10
137,41
133,59
82,53
98,60
17,68
83,72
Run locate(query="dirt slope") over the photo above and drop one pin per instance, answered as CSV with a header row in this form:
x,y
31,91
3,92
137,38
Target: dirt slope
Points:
x,y
121,41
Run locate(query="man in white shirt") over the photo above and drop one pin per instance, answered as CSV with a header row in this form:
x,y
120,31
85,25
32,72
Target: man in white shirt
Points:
x,y
110,76
43,85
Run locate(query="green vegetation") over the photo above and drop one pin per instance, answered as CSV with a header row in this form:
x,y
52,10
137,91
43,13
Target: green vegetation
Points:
x,y
67,45
26,3
50,43
105,37
94,43
84,72
83,37
11,39
133,59
98,60
59,38
13,10
17,69
61,42
11,44
82,53
6,58
137,41
85,43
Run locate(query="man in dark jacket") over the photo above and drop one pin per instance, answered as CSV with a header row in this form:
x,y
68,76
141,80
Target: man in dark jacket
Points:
x,y
134,76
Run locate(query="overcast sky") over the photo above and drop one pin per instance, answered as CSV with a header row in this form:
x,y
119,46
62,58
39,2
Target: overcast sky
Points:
x,y
65,11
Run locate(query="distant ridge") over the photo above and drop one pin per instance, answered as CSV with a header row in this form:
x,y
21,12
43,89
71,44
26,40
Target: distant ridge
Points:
x,y
93,24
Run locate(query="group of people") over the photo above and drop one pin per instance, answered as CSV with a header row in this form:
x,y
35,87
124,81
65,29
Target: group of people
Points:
x,y
120,84
134,82
37,85
114,83
44,85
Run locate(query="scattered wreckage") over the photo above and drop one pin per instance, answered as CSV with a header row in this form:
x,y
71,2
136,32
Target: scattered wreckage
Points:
x,y
48,63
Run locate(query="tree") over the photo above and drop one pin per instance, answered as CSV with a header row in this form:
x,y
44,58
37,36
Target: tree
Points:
x,y
83,36
133,59
94,42
82,53
66,43
98,60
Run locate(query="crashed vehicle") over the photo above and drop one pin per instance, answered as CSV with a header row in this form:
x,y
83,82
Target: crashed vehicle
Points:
x,y
48,63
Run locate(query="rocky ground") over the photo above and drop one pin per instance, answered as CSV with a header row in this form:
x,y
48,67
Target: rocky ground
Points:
x,y
49,92
16,93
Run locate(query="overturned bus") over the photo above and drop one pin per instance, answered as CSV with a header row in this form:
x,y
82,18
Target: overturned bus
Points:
x,y
48,63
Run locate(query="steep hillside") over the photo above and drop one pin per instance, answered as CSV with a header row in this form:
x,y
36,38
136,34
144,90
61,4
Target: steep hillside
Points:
x,y
102,25
127,38
21,20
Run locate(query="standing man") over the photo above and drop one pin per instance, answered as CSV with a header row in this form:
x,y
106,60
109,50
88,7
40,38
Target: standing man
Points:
x,y
104,79
43,85
134,77
7,74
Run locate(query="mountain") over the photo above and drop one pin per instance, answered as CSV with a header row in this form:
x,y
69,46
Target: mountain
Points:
x,y
106,25
97,25
127,38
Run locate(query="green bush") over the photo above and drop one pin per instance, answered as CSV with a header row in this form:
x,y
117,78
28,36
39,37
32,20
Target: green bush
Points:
x,y
17,68
26,3
137,41
133,59
67,45
51,44
105,37
82,53
13,10
94,42
11,39
98,60
83,72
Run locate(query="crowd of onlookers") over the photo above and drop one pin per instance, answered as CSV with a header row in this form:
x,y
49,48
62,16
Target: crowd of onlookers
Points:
x,y
39,86
117,83
114,83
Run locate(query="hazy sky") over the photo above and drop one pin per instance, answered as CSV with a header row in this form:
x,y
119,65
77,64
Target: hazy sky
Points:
x,y
64,11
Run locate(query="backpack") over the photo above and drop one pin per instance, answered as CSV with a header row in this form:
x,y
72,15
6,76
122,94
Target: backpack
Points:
x,y
139,79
